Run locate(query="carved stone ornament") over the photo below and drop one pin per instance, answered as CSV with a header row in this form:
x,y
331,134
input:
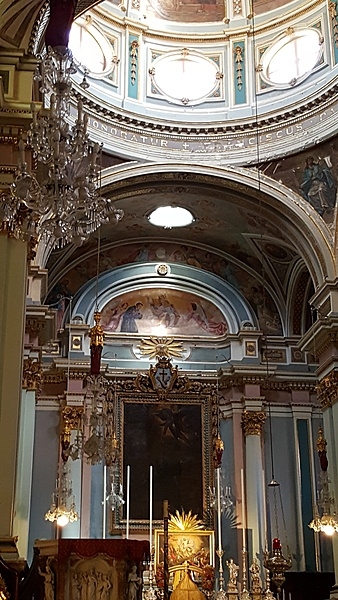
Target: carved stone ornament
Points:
x,y
32,374
327,390
252,422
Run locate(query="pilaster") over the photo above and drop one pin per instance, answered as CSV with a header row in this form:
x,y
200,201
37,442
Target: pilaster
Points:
x,y
13,267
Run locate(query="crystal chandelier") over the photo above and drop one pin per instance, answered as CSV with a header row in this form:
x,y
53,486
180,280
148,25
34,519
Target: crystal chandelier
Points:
x,y
62,509
66,206
326,523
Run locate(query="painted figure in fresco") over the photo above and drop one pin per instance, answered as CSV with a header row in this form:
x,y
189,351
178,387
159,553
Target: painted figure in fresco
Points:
x,y
197,314
128,324
134,583
116,315
318,185
164,311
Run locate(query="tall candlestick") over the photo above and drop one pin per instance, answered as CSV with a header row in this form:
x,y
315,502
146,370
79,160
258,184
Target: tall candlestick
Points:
x,y
128,500
219,513
243,507
150,508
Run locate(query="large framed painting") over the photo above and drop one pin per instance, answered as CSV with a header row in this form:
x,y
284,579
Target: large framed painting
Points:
x,y
173,435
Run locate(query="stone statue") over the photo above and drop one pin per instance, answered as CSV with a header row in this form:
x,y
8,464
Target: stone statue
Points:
x,y
48,577
134,583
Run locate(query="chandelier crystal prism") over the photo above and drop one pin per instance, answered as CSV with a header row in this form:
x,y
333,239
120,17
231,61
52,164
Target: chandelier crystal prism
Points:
x,y
62,509
66,206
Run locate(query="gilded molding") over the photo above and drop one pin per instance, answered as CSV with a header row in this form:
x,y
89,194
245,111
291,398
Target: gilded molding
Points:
x,y
31,374
252,422
238,51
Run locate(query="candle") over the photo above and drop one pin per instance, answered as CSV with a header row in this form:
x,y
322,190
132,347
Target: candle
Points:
x,y
128,501
219,509
150,508
243,508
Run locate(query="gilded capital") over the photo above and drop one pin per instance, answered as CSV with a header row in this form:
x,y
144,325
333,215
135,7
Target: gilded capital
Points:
x,y
252,422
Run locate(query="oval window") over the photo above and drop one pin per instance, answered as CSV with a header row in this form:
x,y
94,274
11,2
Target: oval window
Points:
x,y
90,47
185,77
290,60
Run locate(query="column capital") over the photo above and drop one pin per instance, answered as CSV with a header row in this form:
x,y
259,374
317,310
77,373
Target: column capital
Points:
x,y
253,421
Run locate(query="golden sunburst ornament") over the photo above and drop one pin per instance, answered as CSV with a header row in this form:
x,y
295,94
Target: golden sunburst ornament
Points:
x,y
160,347
185,522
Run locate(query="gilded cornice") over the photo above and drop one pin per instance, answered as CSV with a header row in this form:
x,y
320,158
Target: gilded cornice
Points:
x,y
252,422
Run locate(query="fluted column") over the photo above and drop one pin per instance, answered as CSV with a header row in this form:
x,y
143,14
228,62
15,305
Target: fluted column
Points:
x,y
252,423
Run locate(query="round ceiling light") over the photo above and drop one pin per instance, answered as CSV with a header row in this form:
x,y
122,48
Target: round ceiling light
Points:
x,y
170,216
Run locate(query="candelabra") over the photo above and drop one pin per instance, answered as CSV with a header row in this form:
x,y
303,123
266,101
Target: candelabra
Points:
x,y
326,523
62,509
67,205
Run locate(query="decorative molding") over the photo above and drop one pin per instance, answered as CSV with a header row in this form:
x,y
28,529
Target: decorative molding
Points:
x,y
252,422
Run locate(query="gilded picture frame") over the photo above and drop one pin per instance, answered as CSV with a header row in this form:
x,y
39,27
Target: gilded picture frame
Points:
x,y
174,436
195,549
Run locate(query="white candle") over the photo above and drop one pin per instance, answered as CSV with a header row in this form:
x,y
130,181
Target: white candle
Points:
x,y
128,500
243,507
150,508
219,514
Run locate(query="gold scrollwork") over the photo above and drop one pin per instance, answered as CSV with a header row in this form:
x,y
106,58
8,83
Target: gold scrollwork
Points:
x,y
32,374
71,420
327,390
239,66
333,15
4,594
133,53
253,421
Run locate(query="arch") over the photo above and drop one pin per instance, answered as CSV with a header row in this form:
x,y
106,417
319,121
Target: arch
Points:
x,y
306,230
113,283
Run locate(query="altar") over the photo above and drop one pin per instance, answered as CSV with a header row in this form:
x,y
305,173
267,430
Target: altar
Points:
x,y
90,569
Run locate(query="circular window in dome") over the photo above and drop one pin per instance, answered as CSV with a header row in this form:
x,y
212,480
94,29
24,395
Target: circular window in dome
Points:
x,y
90,47
292,58
185,77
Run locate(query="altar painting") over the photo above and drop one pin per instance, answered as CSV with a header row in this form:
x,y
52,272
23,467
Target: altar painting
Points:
x,y
161,311
168,437
193,547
